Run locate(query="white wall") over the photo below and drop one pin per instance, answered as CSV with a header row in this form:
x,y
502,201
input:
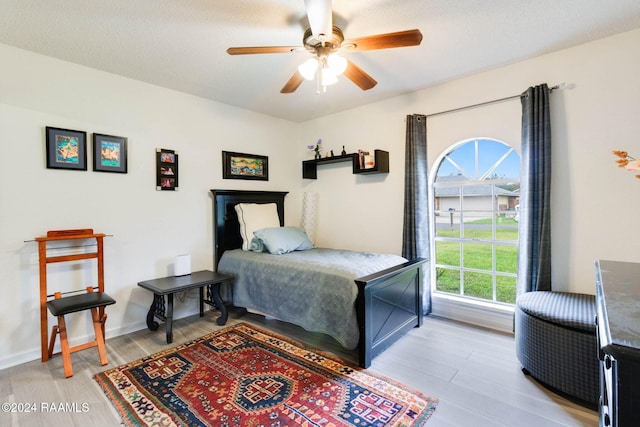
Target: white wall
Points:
x,y
149,227
595,204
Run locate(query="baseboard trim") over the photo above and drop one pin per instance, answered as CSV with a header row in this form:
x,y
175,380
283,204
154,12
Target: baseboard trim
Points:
x,y
34,354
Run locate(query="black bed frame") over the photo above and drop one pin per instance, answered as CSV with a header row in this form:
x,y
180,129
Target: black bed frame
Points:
x,y
389,302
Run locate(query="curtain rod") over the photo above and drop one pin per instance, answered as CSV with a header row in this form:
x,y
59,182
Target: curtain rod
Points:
x,y
551,89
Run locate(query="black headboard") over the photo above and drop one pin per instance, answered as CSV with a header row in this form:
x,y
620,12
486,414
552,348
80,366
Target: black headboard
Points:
x,y
225,219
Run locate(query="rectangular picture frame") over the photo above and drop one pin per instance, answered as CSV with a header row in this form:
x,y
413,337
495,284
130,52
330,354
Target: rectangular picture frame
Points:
x,y
66,148
166,170
109,153
245,166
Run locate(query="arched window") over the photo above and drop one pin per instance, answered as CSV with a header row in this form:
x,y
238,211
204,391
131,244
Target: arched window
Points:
x,y
475,213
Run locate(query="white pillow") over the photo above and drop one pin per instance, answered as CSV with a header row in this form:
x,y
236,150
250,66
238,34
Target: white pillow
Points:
x,y
254,216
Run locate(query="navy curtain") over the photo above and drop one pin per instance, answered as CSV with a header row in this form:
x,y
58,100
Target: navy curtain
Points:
x,y
534,250
415,236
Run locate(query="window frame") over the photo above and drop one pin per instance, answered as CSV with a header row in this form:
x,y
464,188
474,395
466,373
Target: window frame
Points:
x,y
461,239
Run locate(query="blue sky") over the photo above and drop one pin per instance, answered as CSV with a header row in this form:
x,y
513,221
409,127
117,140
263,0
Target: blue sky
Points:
x,y
489,152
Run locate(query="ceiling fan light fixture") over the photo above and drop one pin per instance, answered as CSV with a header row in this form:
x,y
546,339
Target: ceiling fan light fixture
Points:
x,y
337,63
328,77
323,40
308,68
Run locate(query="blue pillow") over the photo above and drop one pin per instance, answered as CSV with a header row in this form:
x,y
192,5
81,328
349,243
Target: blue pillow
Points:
x,y
282,240
257,245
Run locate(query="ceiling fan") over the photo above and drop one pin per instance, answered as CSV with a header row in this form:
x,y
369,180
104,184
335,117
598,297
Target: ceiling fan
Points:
x,y
325,41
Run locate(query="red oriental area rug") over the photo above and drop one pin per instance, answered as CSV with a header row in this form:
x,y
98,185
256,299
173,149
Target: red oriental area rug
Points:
x,y
246,376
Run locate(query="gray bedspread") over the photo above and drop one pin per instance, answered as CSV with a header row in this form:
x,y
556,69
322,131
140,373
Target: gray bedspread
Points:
x,y
313,289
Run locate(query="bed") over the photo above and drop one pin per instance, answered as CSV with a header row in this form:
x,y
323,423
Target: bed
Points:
x,y
365,301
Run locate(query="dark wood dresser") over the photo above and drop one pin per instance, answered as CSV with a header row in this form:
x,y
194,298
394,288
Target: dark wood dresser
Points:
x,y
618,319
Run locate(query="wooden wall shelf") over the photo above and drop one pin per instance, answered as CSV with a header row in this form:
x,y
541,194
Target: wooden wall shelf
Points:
x,y
310,167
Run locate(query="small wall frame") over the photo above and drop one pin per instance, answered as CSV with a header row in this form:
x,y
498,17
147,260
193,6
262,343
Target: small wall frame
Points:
x,y
166,170
109,153
244,166
66,149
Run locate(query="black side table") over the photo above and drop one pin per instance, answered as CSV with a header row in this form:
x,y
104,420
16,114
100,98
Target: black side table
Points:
x,y
172,284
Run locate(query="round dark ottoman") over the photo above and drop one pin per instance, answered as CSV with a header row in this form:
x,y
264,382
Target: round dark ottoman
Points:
x,y
555,335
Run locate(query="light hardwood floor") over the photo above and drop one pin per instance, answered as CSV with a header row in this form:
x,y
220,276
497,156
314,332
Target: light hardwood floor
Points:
x,y
473,372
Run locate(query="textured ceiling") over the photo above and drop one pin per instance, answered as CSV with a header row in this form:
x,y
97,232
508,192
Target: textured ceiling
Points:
x,y
181,44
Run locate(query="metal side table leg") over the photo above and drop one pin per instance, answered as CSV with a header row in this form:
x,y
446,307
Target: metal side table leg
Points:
x,y
214,291
156,309
169,318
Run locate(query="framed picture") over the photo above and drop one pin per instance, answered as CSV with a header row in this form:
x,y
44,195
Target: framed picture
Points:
x,y
244,166
166,170
66,149
109,153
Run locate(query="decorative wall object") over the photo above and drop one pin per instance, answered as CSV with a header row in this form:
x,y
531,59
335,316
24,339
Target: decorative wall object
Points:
x,y
310,214
166,170
66,149
244,166
366,159
316,148
109,153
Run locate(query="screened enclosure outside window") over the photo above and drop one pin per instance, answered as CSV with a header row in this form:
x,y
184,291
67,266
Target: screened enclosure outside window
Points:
x,y
476,199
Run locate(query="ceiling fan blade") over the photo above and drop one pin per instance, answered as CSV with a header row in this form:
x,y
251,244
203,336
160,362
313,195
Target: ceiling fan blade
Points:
x,y
262,49
384,41
294,82
320,19
359,77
